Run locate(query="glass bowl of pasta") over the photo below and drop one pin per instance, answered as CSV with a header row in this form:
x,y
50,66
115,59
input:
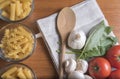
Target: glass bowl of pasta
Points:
x,y
15,10
17,42
17,71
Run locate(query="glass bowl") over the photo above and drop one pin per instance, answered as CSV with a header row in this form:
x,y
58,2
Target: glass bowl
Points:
x,y
29,53
18,65
10,21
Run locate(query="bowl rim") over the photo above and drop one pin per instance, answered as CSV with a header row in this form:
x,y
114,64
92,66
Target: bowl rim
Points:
x,y
10,21
10,65
32,51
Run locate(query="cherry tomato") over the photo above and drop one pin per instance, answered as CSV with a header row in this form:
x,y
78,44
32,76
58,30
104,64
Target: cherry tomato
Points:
x,y
99,68
115,74
113,55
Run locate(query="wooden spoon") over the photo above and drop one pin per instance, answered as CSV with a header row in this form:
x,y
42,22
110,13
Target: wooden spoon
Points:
x,y
65,24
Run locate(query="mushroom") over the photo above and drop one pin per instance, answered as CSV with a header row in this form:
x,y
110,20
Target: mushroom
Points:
x,y
76,75
88,77
76,39
70,65
82,65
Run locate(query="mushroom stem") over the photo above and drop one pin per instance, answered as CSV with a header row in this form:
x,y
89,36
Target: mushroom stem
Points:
x,y
77,36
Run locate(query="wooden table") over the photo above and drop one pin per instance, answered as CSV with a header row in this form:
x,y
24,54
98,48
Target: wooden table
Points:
x,y
40,61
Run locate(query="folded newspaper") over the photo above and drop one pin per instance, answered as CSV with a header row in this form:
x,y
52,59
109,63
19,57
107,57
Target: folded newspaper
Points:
x,y
88,14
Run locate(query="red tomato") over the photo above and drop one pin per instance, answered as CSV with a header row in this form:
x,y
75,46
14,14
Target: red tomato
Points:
x,y
113,55
115,74
99,68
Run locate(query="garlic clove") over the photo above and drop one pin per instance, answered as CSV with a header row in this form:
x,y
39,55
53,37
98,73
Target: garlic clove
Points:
x,y
76,39
70,65
82,65
88,77
76,75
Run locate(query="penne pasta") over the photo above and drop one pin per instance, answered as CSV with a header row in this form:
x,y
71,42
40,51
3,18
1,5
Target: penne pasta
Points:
x,y
10,77
17,73
18,8
21,75
9,72
27,73
26,1
1,1
4,4
13,0
7,9
12,11
15,9
5,14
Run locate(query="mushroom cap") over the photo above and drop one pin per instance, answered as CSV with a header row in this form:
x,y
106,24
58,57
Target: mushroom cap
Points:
x,y
82,65
70,65
76,39
76,75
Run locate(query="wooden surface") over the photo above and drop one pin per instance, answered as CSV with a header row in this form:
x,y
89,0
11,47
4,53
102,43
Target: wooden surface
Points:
x,y
40,61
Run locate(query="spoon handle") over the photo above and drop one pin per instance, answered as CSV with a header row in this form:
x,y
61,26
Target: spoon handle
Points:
x,y
61,69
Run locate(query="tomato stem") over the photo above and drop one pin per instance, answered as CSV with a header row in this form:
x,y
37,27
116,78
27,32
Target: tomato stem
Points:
x,y
96,68
118,58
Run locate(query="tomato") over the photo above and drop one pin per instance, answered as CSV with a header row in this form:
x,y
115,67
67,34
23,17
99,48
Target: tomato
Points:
x,y
99,68
113,55
115,74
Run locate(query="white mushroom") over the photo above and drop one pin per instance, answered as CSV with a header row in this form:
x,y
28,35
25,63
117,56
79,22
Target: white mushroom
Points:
x,y
76,39
70,65
88,77
76,75
82,65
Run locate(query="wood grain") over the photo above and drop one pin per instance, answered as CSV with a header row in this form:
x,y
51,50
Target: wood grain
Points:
x,y
40,61
65,23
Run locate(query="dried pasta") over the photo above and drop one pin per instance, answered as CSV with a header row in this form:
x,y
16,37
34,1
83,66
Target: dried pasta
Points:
x,y
17,73
1,1
4,3
15,9
12,11
18,8
5,14
17,43
10,71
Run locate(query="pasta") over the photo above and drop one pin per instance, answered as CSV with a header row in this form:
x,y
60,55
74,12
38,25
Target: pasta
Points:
x,y
4,4
15,9
27,73
17,73
12,11
17,43
26,0
1,1
20,74
10,71
5,14
18,8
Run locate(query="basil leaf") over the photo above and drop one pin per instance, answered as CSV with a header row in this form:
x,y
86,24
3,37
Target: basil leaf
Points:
x,y
98,42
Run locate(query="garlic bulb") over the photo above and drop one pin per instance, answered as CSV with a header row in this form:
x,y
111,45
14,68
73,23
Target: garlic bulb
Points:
x,y
82,65
76,75
70,65
88,77
76,39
